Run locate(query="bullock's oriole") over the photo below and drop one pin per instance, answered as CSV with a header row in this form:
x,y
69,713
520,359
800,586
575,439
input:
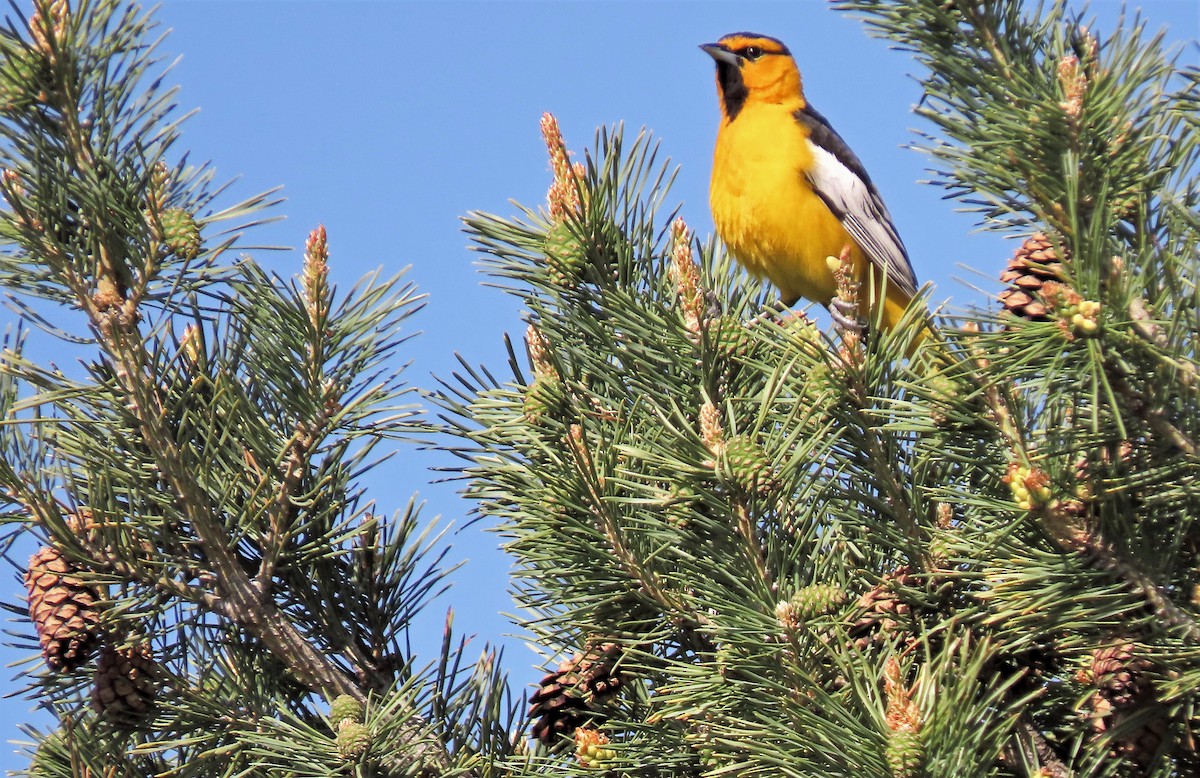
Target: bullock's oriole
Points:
x,y
787,192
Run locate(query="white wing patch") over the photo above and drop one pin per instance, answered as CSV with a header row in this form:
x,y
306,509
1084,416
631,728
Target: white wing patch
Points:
x,y
861,211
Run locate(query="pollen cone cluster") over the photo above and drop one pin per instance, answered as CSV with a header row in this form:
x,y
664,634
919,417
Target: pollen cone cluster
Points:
x,y
591,748
1033,265
565,698
124,687
63,609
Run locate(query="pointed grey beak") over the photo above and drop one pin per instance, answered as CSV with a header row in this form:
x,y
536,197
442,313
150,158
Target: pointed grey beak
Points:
x,y
721,54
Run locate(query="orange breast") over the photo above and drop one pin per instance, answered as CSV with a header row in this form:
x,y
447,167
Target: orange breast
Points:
x,y
764,209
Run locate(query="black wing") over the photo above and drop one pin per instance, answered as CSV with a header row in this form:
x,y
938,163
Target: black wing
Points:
x,y
842,183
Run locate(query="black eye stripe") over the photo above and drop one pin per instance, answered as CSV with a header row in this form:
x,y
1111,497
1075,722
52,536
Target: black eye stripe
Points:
x,y
751,52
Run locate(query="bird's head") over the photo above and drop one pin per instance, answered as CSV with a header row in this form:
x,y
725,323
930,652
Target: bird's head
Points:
x,y
752,67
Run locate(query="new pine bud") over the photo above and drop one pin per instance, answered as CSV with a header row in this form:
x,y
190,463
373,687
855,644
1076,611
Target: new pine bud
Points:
x,y
785,614
905,753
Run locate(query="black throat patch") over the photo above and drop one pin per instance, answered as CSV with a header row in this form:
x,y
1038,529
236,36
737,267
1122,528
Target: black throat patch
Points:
x,y
733,88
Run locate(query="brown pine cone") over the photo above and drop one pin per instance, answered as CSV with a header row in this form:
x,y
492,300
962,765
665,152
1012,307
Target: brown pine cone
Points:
x,y
1143,744
884,614
595,670
557,711
63,609
564,699
1123,693
1138,744
1033,265
1119,675
124,687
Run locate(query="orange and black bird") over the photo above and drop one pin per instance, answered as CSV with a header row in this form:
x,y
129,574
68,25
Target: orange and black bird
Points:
x,y
787,192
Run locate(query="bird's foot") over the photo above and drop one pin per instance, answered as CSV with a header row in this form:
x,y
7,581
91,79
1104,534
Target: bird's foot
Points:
x,y
845,315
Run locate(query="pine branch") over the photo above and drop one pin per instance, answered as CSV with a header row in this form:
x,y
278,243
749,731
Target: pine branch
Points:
x,y
611,529
1050,764
230,462
243,602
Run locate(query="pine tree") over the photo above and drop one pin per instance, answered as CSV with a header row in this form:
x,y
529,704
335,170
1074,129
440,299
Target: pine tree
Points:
x,y
807,554
213,593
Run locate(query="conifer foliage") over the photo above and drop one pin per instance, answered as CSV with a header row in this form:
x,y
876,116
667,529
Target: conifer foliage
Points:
x,y
816,555
749,547
209,578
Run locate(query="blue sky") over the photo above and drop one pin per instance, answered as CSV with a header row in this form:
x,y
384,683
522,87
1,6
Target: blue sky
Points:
x,y
387,121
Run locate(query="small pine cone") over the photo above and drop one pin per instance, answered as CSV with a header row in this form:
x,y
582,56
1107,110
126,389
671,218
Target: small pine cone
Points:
x,y
19,79
63,609
566,255
681,505
181,233
353,740
730,337
1033,265
945,396
882,610
58,754
564,699
801,331
746,466
345,708
545,397
905,753
817,600
1118,675
124,688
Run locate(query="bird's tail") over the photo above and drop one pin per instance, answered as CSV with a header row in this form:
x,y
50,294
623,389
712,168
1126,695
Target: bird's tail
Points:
x,y
897,311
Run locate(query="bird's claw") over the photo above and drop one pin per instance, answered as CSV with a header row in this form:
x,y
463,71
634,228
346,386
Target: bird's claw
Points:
x,y
845,315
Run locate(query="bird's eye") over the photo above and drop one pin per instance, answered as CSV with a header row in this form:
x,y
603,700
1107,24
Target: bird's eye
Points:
x,y
752,53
